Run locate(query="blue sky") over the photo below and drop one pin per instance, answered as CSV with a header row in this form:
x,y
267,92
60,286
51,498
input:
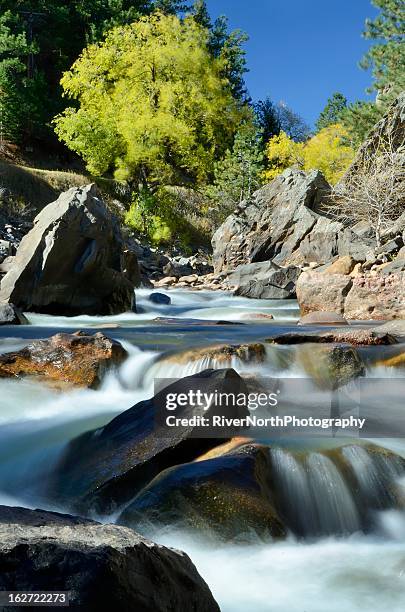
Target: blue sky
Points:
x,y
301,51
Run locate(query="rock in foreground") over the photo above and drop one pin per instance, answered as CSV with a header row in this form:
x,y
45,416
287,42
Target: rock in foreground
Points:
x,y
79,359
104,567
101,470
227,495
72,261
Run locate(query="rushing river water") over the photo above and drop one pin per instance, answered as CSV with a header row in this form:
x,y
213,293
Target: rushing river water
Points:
x,y
344,570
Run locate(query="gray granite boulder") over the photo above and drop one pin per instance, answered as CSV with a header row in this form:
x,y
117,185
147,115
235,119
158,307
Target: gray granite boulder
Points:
x,y
72,261
285,222
103,567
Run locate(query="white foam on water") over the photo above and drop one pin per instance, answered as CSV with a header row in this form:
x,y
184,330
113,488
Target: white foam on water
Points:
x,y
185,304
355,574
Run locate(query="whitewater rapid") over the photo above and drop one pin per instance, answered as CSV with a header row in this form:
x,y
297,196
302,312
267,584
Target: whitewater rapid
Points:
x,y
355,572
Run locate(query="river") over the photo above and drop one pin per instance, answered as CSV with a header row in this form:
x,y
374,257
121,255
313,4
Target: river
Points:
x,y
345,569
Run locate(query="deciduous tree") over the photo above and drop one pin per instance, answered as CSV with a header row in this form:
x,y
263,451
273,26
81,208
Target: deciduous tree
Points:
x,y
153,105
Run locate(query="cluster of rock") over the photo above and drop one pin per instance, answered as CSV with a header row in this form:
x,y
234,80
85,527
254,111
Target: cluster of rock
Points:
x,y
156,263
12,230
150,477
271,245
356,290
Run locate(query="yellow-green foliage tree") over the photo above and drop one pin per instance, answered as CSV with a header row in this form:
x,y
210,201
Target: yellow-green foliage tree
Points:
x,y
153,105
282,152
327,151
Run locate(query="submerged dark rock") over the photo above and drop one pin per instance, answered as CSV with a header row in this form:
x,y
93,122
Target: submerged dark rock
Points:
x,y
159,298
103,567
226,495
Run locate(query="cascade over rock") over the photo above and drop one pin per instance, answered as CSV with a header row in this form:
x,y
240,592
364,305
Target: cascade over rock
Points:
x,y
103,469
226,494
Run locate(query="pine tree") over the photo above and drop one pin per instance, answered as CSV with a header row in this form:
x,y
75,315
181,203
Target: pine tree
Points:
x,y
332,113
238,174
386,58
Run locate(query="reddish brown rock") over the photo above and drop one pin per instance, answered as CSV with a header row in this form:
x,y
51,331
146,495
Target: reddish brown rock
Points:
x,y
322,318
78,359
397,361
247,353
322,292
377,296
342,265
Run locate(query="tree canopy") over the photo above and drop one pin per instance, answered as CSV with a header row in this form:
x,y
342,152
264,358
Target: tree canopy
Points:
x,y
327,151
153,104
39,40
272,119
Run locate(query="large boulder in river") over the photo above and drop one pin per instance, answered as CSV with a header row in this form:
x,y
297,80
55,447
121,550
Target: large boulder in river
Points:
x,y
102,470
103,567
265,280
226,495
379,296
78,359
284,222
322,292
72,261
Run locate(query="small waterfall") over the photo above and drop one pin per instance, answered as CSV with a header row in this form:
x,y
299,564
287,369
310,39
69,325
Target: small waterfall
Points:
x,y
333,501
375,475
133,373
293,492
321,495
165,368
